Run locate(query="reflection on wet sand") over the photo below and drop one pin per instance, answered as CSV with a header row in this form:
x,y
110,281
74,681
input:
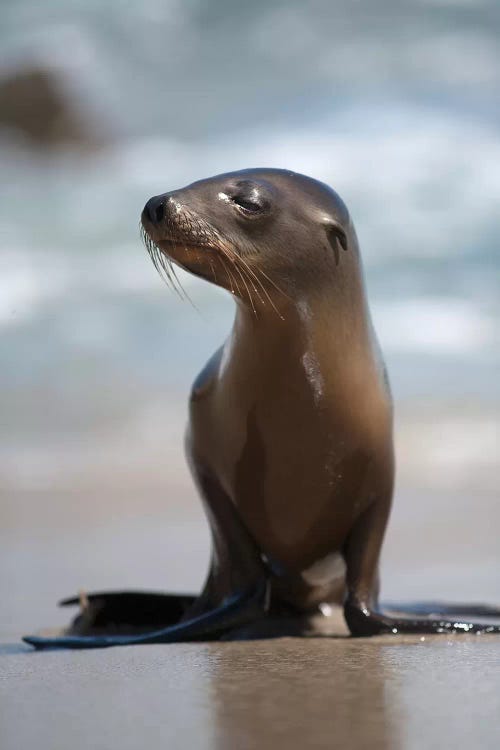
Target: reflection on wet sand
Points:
x,y
384,693
290,693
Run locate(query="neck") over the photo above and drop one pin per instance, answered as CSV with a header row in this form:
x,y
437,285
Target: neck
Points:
x,y
319,343
335,313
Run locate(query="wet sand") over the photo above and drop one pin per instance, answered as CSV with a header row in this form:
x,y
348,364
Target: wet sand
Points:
x,y
141,526
288,693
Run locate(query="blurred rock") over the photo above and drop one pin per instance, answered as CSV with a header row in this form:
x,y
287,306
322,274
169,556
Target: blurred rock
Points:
x,y
36,104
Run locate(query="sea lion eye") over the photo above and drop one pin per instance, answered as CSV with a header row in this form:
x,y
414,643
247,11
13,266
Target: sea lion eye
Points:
x,y
247,204
248,198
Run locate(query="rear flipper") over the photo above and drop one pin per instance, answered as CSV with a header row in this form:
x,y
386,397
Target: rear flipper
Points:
x,y
440,608
125,612
126,618
366,622
234,595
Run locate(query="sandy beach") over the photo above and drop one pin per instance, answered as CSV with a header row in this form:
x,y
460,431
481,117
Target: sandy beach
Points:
x,y
382,693
138,524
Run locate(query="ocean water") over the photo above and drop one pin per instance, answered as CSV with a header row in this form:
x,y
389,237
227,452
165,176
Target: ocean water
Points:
x,y
395,105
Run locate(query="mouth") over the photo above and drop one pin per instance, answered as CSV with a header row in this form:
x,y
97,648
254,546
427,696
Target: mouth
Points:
x,y
168,244
152,237
216,263
168,252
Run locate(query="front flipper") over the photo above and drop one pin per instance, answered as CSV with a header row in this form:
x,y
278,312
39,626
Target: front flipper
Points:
x,y
363,614
127,618
363,621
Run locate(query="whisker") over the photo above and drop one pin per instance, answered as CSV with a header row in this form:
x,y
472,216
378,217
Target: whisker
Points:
x,y
257,280
252,280
246,287
212,267
232,285
179,283
251,272
271,281
160,265
164,267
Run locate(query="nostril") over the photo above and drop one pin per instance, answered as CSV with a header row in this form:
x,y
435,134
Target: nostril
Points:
x,y
159,212
155,210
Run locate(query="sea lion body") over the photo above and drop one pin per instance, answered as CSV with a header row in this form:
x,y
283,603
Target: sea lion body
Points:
x,y
292,418
290,427
299,447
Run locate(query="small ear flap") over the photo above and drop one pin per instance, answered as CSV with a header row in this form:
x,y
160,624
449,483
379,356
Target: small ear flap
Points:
x,y
337,239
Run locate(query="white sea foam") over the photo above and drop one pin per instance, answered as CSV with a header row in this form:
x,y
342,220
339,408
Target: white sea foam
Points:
x,y
419,184
444,326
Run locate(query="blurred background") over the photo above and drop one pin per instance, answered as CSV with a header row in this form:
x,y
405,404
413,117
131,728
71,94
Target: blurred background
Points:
x,y
394,104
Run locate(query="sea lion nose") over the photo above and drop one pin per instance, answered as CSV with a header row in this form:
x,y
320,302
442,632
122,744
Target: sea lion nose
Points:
x,y
154,210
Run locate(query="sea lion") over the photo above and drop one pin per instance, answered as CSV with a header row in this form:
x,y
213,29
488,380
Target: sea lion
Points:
x,y
290,438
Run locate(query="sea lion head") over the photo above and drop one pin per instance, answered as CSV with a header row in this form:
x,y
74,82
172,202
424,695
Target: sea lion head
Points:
x,y
252,230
